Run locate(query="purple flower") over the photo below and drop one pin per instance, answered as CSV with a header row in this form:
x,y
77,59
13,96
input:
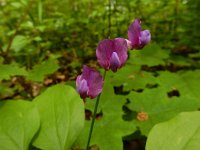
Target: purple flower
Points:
x,y
137,38
89,83
112,54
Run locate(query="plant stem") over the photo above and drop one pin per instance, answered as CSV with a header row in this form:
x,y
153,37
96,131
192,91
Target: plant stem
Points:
x,y
94,116
109,18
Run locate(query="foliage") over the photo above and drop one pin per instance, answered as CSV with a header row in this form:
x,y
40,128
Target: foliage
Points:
x,y
46,42
110,123
136,91
11,70
19,123
54,119
40,70
183,131
62,117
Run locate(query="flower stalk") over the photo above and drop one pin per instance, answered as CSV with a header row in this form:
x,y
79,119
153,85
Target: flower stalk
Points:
x,y
94,116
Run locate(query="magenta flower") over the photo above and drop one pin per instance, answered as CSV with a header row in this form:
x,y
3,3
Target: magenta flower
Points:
x,y
137,38
89,83
112,54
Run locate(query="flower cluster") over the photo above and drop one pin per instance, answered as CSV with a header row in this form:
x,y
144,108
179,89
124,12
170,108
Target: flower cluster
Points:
x,y
111,55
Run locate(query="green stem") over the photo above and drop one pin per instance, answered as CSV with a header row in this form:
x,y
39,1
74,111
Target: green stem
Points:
x,y
94,116
109,18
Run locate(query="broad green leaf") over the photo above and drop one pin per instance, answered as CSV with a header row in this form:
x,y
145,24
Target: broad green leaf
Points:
x,y
192,86
156,103
8,70
180,133
110,127
158,106
131,77
185,82
40,70
150,55
19,123
62,118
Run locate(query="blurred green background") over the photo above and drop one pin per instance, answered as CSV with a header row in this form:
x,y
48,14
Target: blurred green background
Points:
x,y
32,29
47,42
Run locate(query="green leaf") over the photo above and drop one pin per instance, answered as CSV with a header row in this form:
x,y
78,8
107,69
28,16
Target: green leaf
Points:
x,y
158,106
192,86
184,81
131,77
62,117
156,103
180,133
19,43
150,55
19,123
8,70
40,70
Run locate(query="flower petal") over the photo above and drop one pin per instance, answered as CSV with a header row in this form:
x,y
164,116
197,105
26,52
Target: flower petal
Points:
x,y
121,49
114,62
134,33
145,37
103,52
82,87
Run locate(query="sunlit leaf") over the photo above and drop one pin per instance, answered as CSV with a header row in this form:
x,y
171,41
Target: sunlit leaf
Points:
x,y
131,77
180,133
19,123
62,117
150,55
185,82
158,106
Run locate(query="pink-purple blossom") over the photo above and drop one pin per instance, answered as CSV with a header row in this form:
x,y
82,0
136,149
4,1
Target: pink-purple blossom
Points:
x,y
89,83
112,54
137,38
